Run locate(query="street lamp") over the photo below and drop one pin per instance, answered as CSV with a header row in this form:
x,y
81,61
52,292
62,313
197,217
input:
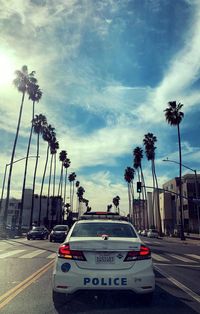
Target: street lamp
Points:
x,y
4,177
196,186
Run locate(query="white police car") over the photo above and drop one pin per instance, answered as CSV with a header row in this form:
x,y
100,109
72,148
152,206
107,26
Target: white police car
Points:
x,y
103,252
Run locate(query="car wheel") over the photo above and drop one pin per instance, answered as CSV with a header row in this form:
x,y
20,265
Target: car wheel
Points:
x,y
50,239
59,299
28,238
147,299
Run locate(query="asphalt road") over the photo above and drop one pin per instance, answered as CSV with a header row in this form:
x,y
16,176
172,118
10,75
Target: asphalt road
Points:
x,y
25,281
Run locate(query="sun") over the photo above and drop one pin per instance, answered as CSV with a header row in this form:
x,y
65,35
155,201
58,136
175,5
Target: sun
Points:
x,y
6,69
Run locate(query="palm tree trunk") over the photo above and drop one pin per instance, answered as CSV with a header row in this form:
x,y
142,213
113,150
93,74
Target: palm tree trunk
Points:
x,y
54,176
145,196
42,184
11,163
182,236
34,179
129,200
153,194
25,171
72,195
49,185
65,187
59,185
139,213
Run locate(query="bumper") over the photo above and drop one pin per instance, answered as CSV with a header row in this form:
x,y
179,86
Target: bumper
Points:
x,y
139,279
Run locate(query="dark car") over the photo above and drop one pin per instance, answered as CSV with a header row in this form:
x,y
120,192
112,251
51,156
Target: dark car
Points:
x,y
59,233
38,233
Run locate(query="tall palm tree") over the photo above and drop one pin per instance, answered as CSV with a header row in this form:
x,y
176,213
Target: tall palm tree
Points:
x,y
80,192
129,176
54,146
72,178
35,94
62,158
21,82
149,143
174,116
137,163
66,165
77,186
116,200
48,135
39,122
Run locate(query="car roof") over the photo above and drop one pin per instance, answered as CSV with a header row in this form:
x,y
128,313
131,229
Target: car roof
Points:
x,y
104,221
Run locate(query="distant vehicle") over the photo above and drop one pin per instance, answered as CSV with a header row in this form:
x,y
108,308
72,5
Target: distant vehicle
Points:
x,y
102,252
144,233
59,233
152,233
37,233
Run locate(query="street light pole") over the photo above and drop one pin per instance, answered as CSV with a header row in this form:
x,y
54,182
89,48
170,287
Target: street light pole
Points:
x,y
4,178
196,186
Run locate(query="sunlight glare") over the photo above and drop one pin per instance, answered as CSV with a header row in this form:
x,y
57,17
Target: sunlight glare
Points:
x,y
6,69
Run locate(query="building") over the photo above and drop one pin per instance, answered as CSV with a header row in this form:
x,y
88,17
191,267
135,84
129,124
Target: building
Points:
x,y
170,203
51,209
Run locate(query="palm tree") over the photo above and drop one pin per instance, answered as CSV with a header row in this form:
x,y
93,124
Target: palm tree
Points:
x,y
35,94
116,200
66,165
77,186
39,122
48,135
137,163
62,158
54,146
21,82
129,176
80,192
174,116
149,143
72,178
109,208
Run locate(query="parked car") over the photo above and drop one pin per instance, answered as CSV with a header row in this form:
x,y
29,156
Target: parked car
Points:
x,y
59,233
102,254
144,233
152,233
38,233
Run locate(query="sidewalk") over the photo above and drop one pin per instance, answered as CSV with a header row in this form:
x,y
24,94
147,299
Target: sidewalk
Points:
x,y
189,239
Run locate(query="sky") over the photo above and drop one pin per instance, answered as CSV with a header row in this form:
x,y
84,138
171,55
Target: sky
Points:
x,y
107,70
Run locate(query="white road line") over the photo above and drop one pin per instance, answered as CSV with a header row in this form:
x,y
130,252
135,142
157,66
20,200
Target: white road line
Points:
x,y
181,258
53,255
32,254
159,258
193,256
11,253
179,285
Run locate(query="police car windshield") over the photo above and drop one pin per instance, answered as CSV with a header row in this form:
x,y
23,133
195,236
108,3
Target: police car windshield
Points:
x,y
96,229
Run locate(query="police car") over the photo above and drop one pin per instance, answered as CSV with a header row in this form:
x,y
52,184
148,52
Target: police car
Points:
x,y
102,252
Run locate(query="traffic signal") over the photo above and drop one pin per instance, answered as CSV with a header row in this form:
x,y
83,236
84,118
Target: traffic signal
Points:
x,y
139,187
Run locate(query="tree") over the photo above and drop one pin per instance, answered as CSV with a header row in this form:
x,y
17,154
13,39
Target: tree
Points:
x,y
21,82
128,177
66,165
39,122
80,192
72,178
62,158
137,163
48,135
174,116
149,143
116,200
54,146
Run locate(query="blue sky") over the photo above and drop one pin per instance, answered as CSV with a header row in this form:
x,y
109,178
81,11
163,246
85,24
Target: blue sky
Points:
x,y
107,69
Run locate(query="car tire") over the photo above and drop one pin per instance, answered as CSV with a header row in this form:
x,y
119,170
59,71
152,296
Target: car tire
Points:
x,y
59,299
147,299
50,239
28,238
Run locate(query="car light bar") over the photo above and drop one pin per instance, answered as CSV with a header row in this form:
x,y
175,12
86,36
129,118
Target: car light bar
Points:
x,y
144,253
102,215
65,252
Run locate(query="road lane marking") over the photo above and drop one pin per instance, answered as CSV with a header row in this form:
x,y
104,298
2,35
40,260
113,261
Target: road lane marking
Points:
x,y
53,255
193,256
177,283
11,253
182,258
12,293
159,258
32,254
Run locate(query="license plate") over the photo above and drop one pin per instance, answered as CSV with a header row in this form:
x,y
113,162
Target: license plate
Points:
x,y
105,259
